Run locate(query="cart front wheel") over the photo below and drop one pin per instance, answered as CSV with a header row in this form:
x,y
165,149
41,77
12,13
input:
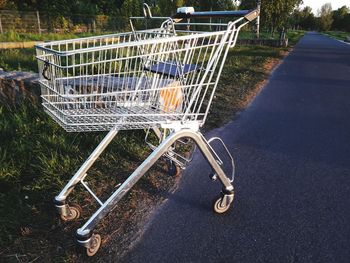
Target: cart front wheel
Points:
x,y
220,205
95,245
74,213
173,168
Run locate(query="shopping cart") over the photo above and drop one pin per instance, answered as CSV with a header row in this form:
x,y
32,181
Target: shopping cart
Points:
x,y
161,79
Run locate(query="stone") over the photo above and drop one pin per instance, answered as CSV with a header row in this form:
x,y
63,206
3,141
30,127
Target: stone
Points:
x,y
17,85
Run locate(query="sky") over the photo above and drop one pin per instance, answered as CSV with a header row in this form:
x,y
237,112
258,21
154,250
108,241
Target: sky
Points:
x,y
316,4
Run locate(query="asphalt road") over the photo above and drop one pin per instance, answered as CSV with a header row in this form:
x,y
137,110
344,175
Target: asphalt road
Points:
x,y
292,150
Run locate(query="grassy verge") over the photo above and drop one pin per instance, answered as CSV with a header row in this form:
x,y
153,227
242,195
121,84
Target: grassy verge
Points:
x,y
37,158
244,69
13,36
22,59
338,34
294,36
249,34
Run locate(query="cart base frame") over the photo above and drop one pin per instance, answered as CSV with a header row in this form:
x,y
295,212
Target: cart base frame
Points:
x,y
85,236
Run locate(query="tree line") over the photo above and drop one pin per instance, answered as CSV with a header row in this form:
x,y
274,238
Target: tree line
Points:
x,y
275,14
327,19
112,7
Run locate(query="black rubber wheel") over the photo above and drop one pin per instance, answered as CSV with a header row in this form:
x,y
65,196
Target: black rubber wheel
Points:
x,y
173,169
218,205
95,245
75,212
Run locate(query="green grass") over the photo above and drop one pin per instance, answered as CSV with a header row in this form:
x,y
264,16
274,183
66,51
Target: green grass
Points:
x,y
37,158
248,34
338,34
294,36
22,59
13,36
243,70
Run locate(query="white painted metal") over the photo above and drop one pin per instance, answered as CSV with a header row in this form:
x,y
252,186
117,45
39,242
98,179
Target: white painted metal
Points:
x,y
134,80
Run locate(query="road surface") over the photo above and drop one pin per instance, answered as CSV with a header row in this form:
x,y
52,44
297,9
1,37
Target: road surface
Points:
x,y
292,150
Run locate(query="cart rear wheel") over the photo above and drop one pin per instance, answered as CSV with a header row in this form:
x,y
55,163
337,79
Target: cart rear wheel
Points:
x,y
219,205
95,245
74,213
173,168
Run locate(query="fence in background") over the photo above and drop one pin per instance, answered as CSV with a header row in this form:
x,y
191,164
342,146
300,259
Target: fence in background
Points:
x,y
43,22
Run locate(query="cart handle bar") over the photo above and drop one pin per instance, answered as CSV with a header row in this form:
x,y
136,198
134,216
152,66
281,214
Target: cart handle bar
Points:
x,y
247,14
147,11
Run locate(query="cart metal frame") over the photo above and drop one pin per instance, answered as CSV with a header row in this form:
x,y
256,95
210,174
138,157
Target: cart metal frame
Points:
x,y
79,79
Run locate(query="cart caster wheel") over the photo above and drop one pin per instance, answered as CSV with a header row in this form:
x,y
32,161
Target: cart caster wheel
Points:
x,y
213,177
95,245
222,203
74,213
173,169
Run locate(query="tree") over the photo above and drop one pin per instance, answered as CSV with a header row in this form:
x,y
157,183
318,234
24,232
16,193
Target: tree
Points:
x,y
226,5
347,23
131,8
168,8
248,4
303,19
326,19
3,3
275,13
308,21
340,18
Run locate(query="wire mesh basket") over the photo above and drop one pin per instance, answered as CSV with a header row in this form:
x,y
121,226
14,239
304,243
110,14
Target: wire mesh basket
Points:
x,y
132,80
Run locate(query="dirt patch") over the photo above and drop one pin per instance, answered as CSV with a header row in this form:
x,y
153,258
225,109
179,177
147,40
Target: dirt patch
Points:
x,y
124,226
268,67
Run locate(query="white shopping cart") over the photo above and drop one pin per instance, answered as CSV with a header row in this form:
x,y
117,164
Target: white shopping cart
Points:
x,y
160,80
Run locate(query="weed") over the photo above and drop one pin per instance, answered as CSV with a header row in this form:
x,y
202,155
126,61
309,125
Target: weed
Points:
x,y
13,36
338,34
243,69
18,59
294,36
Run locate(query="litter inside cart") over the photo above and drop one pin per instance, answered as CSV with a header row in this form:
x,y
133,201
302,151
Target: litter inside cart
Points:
x,y
161,80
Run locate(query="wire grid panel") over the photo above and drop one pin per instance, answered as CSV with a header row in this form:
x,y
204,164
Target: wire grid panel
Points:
x,y
131,80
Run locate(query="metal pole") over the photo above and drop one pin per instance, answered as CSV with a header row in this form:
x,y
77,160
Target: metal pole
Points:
x,y
79,175
94,26
1,31
258,19
38,18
